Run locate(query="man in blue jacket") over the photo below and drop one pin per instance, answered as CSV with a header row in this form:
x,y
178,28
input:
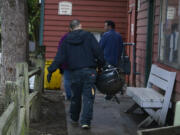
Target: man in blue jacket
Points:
x,y
81,52
112,44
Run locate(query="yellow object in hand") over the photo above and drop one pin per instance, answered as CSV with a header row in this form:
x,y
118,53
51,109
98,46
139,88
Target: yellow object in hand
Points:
x,y
92,91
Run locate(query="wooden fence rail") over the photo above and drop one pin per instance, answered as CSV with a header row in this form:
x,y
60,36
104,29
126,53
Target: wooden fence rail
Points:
x,y
22,106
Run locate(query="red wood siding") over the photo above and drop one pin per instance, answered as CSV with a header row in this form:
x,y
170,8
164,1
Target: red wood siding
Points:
x,y
91,13
141,42
141,46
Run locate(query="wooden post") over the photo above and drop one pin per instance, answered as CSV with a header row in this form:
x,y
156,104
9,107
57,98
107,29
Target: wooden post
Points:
x,y
27,106
22,92
40,82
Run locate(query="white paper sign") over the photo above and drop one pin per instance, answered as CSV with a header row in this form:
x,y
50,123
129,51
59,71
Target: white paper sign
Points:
x,y
139,5
171,12
132,29
65,8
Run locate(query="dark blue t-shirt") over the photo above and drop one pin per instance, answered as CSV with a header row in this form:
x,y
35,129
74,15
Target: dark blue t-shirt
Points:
x,y
112,44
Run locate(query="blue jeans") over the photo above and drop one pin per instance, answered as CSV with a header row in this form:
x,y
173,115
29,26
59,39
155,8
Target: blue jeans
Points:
x,y
83,88
67,84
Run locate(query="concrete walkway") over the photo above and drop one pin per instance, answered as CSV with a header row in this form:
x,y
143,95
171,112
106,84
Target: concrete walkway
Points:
x,y
109,118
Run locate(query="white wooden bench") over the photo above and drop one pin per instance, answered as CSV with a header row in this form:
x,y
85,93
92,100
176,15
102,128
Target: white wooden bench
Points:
x,y
152,101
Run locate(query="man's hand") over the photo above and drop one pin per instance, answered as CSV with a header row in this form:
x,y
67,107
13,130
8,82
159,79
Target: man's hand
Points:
x,y
49,77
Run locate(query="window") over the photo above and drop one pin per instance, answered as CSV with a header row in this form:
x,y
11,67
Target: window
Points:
x,y
169,38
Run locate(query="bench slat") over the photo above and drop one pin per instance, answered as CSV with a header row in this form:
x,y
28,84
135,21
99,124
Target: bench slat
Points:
x,y
146,94
164,74
155,80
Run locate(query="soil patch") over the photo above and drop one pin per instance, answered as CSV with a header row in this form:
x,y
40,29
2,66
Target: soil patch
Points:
x,y
52,117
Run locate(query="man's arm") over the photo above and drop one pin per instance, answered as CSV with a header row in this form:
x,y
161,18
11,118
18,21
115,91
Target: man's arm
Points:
x,y
102,42
59,59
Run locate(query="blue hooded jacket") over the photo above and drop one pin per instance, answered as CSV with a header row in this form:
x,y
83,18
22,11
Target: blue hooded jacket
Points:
x,y
80,50
112,45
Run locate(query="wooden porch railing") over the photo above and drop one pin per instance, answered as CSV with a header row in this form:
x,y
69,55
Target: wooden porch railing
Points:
x,y
23,106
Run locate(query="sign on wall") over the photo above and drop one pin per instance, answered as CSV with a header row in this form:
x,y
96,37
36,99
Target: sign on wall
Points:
x,y
171,12
132,29
139,5
65,8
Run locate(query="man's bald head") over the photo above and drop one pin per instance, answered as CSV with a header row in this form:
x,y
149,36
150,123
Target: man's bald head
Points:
x,y
75,24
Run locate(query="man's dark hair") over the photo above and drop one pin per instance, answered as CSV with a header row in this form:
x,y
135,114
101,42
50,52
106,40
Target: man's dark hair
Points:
x,y
110,23
74,23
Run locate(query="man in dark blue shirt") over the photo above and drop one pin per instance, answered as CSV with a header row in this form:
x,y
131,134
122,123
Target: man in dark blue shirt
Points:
x,y
111,43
